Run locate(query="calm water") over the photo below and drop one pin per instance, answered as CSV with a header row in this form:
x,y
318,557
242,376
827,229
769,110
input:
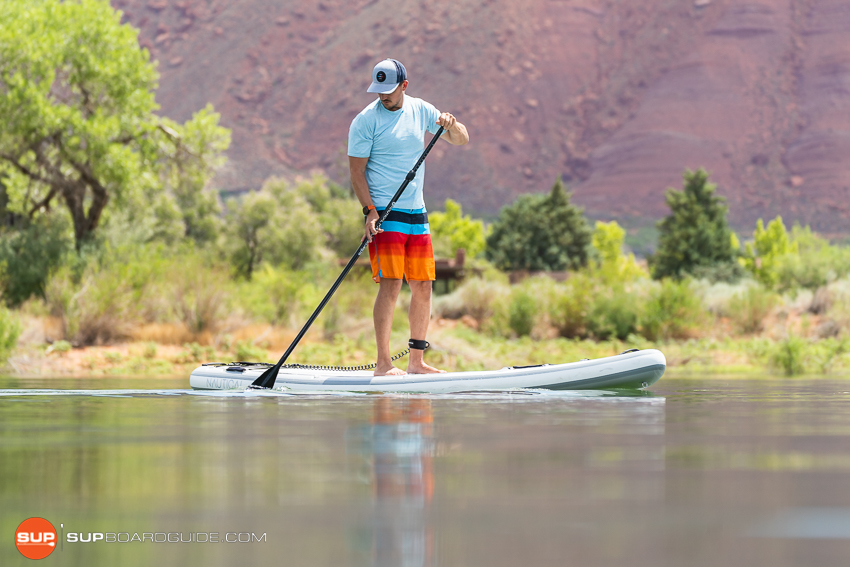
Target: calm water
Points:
x,y
697,472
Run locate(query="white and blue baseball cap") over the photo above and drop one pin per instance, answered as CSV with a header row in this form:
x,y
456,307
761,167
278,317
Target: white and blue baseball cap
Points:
x,y
386,76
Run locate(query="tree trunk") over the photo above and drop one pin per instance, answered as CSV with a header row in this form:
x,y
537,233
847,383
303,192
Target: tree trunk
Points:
x,y
85,222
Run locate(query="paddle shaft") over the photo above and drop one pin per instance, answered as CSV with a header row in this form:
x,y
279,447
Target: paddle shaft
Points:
x,y
268,378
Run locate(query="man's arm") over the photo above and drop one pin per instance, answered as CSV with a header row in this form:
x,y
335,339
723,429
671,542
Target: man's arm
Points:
x,y
456,133
357,167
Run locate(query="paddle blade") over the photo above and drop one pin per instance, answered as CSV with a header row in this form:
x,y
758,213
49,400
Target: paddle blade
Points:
x,y
267,379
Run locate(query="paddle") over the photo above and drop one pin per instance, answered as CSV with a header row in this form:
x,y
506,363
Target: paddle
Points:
x,y
267,379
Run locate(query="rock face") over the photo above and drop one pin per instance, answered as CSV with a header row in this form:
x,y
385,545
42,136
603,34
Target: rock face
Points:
x,y
616,96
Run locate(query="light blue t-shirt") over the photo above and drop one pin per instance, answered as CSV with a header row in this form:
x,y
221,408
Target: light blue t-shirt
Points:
x,y
393,141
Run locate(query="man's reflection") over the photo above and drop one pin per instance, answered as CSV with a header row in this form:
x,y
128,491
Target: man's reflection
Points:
x,y
398,447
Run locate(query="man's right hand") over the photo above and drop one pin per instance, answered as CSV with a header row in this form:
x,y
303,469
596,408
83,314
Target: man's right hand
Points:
x,y
370,229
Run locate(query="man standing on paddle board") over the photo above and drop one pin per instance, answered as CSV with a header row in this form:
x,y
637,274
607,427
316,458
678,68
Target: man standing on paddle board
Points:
x,y
384,142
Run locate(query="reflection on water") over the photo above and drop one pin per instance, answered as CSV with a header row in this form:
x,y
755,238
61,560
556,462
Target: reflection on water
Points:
x,y
695,473
397,446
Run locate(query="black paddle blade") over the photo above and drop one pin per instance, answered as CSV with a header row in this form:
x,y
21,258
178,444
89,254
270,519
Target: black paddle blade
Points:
x,y
266,380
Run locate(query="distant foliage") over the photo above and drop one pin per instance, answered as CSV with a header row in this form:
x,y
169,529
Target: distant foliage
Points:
x,y
749,308
763,255
539,232
107,297
10,330
274,294
614,315
29,254
570,306
451,231
614,265
339,214
814,263
522,311
188,162
274,225
673,311
695,234
790,355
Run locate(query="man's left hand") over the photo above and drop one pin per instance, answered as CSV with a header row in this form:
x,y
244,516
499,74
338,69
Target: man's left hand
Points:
x,y
447,121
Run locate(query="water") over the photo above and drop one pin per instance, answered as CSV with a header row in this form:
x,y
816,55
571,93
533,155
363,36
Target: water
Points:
x,y
697,472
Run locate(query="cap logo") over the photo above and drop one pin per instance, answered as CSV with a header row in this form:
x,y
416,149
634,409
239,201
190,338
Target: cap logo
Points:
x,y
381,76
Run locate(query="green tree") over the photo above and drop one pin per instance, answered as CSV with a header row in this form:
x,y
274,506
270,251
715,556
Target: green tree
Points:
x,y
274,225
338,213
188,160
764,253
614,266
77,100
452,231
29,254
696,234
540,232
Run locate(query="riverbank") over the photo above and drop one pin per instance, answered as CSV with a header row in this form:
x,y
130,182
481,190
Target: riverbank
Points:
x,y
456,347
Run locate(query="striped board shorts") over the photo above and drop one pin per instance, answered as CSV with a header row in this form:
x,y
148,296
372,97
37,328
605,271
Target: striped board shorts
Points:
x,y
404,248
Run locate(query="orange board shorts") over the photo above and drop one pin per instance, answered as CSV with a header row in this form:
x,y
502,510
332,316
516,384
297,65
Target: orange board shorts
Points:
x,y
404,249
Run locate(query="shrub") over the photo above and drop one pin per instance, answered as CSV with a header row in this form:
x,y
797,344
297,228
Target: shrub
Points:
x,y
29,255
198,353
768,246
150,350
672,311
10,330
98,308
106,296
522,312
481,297
827,351
725,272
246,351
452,231
61,347
835,301
540,232
569,306
748,309
816,263
789,355
614,266
201,294
274,294
614,315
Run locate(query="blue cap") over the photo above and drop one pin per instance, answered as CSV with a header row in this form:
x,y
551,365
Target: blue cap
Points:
x,y
386,76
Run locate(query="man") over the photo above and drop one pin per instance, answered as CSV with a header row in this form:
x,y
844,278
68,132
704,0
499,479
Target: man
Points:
x,y
384,142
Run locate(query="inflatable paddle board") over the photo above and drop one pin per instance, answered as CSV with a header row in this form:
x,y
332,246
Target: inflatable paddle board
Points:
x,y
633,369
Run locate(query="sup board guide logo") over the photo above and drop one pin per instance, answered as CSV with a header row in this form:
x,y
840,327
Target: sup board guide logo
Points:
x,y
35,538
164,537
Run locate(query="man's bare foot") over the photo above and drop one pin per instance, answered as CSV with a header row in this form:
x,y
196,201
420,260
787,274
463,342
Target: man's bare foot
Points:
x,y
389,370
423,368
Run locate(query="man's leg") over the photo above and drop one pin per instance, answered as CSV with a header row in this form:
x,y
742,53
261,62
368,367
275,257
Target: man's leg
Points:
x,y
383,317
419,316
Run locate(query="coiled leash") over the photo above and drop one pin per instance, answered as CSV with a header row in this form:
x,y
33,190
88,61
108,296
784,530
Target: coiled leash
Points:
x,y
411,344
